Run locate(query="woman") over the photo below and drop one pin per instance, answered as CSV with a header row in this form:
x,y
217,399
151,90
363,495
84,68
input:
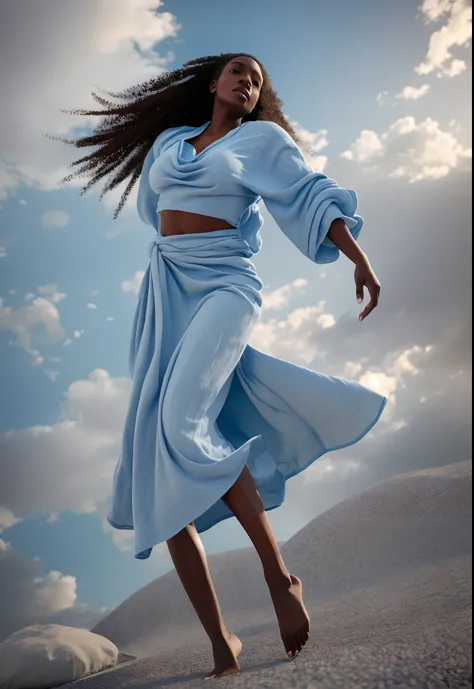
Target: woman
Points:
x,y
215,427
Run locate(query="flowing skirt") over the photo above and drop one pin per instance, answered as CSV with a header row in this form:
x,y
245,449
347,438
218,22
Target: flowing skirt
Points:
x,y
204,403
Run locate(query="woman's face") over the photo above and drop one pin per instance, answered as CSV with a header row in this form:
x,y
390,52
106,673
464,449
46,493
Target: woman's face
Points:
x,y
239,84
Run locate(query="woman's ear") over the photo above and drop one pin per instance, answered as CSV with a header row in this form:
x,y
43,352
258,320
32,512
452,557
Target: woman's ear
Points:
x,y
213,86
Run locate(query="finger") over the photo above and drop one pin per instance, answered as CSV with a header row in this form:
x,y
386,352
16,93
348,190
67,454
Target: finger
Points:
x,y
360,293
368,309
374,293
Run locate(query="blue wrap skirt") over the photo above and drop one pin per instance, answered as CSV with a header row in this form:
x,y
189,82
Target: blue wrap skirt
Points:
x,y
204,403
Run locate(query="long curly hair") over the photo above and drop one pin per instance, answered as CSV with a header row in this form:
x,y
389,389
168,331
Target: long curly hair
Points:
x,y
181,97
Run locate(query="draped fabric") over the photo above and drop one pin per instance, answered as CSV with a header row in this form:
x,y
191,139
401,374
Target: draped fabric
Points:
x,y
253,162
204,403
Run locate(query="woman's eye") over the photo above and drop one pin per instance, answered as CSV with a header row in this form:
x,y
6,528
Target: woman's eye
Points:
x,y
233,69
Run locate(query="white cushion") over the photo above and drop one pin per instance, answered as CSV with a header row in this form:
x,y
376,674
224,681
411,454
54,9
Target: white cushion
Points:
x,y
47,655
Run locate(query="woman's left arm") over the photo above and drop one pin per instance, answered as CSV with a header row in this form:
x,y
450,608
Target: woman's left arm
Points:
x,y
364,276
312,210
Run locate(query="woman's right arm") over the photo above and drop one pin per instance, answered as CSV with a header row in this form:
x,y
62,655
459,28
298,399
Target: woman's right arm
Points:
x,y
147,200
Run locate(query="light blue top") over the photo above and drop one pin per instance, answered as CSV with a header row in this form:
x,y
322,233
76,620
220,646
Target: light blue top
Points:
x,y
256,161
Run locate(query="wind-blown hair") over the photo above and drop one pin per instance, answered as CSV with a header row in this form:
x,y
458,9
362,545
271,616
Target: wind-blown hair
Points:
x,y
181,97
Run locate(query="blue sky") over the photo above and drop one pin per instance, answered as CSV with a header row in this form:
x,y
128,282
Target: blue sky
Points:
x,y
382,92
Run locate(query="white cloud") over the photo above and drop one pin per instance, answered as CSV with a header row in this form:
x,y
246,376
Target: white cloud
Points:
x,y
51,292
411,435
392,375
295,337
48,594
133,285
403,374
326,320
91,306
7,519
381,97
38,597
367,147
55,592
10,179
405,365
413,93
20,321
22,202
81,47
55,218
3,252
457,31
78,333
79,450
415,151
435,9
380,382
456,68
313,144
351,369
281,297
110,318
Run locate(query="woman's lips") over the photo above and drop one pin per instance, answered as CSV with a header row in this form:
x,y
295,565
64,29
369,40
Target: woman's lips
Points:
x,y
242,93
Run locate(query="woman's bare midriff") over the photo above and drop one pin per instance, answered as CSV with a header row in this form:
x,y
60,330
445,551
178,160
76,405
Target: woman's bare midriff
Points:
x,y
183,222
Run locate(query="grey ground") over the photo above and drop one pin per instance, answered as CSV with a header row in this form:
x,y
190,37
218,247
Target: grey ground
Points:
x,y
387,579
410,632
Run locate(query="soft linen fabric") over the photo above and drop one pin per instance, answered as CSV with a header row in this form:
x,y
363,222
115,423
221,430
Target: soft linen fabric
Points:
x,y
257,160
204,403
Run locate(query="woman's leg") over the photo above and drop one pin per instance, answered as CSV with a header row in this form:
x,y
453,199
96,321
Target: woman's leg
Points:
x,y
192,401
285,589
189,558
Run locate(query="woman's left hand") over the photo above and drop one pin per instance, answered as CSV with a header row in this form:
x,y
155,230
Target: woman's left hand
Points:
x,y
364,276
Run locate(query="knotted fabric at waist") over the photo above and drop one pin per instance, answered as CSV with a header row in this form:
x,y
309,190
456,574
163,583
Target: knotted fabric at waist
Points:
x,y
214,243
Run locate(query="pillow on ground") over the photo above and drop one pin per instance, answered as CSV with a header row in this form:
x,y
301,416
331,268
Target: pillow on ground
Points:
x,y
47,655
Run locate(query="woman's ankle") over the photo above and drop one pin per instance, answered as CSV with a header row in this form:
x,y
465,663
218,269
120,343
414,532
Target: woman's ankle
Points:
x,y
278,579
220,640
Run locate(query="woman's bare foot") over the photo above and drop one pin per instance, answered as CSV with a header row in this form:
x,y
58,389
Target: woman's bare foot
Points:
x,y
293,618
225,657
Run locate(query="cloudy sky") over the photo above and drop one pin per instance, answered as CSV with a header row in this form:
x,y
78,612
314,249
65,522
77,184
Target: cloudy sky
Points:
x,y
383,98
